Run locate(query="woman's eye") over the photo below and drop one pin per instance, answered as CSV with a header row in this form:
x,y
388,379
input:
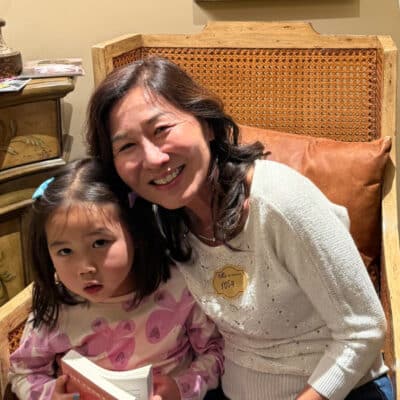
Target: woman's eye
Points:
x,y
162,129
125,147
64,252
100,243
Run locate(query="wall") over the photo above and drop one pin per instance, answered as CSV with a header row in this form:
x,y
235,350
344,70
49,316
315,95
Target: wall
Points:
x,y
58,29
50,29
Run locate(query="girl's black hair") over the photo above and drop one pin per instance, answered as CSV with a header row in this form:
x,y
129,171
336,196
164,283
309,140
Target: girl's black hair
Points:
x,y
230,162
87,181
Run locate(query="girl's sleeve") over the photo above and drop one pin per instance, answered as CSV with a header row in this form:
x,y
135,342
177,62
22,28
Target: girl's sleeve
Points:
x,y
207,365
32,365
319,252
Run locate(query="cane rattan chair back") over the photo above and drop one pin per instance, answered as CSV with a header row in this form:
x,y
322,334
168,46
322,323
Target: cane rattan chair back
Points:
x,y
281,76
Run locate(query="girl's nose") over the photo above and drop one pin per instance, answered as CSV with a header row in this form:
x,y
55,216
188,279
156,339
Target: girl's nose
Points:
x,y
153,155
87,269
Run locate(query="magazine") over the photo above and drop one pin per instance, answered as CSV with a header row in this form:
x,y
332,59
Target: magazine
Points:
x,y
97,383
51,68
12,84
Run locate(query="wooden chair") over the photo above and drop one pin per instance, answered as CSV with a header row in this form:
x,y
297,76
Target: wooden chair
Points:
x,y
287,77
13,315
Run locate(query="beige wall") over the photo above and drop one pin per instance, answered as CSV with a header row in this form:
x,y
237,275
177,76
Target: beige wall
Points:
x,y
48,28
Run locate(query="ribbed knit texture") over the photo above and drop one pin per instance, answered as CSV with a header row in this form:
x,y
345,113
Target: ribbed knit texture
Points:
x,y
244,383
309,309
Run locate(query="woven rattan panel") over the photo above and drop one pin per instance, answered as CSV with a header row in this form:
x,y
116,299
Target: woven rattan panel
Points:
x,y
319,92
14,337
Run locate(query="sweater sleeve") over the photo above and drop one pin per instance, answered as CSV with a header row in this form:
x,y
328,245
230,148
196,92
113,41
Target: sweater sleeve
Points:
x,y
32,370
207,365
320,253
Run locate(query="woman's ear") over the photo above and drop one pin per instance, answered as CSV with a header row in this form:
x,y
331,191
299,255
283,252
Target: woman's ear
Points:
x,y
208,132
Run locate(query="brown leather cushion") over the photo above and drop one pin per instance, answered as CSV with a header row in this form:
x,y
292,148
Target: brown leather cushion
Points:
x,y
349,173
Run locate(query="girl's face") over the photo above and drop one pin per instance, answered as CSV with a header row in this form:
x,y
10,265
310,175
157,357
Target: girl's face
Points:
x,y
160,152
92,252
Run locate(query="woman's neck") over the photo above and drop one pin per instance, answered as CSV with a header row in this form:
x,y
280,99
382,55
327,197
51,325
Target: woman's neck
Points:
x,y
200,213
199,208
200,219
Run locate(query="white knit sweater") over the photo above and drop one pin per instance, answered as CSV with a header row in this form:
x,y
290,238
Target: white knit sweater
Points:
x,y
307,311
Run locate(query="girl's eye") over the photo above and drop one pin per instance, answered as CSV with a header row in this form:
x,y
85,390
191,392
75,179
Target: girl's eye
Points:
x,y
64,252
100,243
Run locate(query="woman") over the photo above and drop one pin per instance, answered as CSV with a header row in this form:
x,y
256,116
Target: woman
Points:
x,y
264,253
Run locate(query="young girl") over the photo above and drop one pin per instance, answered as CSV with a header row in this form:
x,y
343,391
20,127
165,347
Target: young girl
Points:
x,y
262,249
112,298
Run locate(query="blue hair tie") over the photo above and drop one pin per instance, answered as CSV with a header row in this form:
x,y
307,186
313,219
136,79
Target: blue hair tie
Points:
x,y
41,189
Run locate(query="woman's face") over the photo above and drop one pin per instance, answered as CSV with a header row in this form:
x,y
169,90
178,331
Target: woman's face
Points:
x,y
160,152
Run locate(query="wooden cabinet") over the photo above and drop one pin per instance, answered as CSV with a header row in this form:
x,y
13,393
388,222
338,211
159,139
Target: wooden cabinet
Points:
x,y
30,149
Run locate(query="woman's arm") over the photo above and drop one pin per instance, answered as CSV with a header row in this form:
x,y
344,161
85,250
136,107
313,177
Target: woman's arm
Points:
x,y
308,393
319,252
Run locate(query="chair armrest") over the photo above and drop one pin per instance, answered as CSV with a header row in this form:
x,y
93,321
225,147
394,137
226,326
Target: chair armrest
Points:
x,y
391,265
13,315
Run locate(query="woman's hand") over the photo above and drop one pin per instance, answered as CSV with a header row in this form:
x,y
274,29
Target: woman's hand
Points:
x,y
60,392
165,388
308,393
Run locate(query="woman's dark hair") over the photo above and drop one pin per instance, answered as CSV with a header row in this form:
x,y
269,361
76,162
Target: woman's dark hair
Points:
x,y
87,182
230,161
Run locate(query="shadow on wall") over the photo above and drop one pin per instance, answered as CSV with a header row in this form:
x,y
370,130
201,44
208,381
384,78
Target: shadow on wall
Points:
x,y
270,10
67,138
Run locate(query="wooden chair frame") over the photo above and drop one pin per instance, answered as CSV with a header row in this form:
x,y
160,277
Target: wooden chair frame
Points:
x,y
13,315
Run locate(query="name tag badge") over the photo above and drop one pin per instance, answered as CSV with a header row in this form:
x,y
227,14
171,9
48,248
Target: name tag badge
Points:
x,y
230,281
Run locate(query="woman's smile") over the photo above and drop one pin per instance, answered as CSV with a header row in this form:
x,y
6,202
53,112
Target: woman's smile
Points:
x,y
172,174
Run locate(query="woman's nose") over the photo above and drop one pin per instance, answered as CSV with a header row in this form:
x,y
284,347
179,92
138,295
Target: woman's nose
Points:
x,y
153,155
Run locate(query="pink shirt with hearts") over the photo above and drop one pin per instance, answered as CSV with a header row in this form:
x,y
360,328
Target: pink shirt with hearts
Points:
x,y
167,330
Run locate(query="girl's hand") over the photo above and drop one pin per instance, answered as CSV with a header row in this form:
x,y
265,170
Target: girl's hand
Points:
x,y
165,388
60,392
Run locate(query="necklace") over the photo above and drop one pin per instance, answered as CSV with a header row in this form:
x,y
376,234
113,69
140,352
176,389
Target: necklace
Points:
x,y
209,228
212,239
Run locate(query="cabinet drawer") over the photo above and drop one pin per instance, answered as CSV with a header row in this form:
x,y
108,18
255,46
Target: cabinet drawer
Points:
x,y
12,274
29,133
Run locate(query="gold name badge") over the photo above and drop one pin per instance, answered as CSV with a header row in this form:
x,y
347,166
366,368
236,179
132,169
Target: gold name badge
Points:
x,y
230,281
